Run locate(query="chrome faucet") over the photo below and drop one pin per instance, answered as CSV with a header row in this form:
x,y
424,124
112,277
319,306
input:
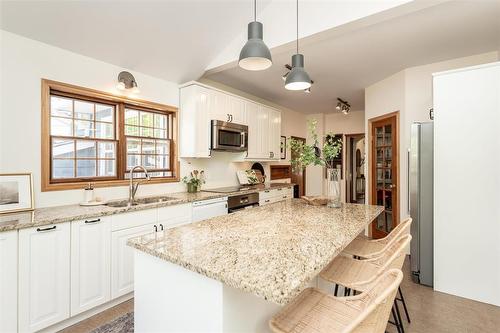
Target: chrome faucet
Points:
x,y
132,189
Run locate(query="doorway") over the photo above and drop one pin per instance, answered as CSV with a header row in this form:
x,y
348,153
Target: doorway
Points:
x,y
355,168
384,171
298,177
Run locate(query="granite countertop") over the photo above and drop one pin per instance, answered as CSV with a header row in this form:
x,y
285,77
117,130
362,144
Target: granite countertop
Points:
x,y
60,214
271,251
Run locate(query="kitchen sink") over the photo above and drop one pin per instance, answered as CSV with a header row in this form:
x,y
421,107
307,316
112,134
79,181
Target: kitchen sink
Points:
x,y
139,201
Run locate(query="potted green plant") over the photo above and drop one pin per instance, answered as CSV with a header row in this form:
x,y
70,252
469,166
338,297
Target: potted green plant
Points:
x,y
194,181
310,154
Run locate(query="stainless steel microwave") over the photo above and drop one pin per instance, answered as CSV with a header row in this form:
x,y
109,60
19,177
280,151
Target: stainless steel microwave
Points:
x,y
229,136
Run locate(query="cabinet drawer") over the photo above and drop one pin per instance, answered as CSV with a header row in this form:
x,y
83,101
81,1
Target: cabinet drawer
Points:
x,y
175,215
134,219
267,194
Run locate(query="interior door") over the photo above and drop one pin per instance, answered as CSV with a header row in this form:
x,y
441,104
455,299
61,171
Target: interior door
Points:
x,y
384,173
299,178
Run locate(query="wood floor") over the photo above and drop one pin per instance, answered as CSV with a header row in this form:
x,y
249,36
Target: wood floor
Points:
x,y
430,312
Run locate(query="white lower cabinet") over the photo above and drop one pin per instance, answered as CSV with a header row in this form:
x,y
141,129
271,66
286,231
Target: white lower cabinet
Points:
x,y
274,195
122,260
90,263
8,281
44,276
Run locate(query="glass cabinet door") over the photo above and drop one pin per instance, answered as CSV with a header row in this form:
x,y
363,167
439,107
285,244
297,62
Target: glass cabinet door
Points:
x,y
384,171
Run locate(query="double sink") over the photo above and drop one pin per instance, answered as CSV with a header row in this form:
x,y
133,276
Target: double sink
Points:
x,y
139,201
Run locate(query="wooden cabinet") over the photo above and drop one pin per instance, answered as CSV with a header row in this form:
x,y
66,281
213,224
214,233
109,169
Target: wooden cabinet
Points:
x,y
44,276
200,104
90,263
8,281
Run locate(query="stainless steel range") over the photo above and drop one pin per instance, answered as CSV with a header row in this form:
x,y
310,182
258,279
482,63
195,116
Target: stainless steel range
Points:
x,y
238,201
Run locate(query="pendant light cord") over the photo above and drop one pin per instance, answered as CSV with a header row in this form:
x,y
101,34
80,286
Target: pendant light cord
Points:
x,y
254,10
297,26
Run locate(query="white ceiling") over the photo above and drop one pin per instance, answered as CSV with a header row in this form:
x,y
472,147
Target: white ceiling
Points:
x,y
343,65
171,39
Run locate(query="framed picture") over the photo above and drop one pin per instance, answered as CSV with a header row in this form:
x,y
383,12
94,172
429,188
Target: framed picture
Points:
x,y
283,148
16,192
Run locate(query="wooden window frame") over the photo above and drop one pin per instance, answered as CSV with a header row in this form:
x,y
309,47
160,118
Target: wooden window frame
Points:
x,y
72,91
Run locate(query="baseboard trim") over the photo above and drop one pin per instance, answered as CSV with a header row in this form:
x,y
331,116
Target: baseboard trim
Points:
x,y
87,314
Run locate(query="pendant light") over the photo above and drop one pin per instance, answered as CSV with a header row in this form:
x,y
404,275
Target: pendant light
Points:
x,y
297,79
255,55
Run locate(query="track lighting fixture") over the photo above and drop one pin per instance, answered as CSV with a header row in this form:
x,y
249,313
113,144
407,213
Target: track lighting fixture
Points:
x,y
343,106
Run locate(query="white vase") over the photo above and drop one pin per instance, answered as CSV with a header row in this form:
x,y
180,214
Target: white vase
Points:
x,y
333,188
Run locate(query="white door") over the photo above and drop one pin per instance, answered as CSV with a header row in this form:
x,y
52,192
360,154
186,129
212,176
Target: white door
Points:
x,y
236,110
90,263
274,133
263,124
219,106
254,132
122,259
8,281
44,276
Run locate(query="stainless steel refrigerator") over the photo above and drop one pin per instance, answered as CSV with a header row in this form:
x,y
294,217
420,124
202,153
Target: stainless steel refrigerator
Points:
x,y
420,204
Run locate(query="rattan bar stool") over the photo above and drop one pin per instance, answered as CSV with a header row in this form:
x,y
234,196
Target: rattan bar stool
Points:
x,y
364,247
359,275
314,311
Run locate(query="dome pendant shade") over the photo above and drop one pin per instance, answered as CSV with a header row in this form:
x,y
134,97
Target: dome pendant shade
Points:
x,y
297,79
255,55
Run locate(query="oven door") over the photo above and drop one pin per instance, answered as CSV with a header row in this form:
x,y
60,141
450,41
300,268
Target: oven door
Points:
x,y
229,136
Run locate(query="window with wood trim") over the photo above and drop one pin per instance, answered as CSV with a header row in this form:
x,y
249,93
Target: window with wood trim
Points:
x,y
92,136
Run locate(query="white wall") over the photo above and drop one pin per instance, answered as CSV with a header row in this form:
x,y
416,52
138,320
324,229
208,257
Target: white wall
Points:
x,y
410,92
24,62
466,183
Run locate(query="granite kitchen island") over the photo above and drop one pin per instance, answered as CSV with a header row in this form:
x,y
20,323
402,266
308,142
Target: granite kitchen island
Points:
x,y
232,273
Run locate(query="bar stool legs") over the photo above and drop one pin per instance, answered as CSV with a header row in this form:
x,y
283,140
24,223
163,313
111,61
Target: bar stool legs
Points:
x,y
402,300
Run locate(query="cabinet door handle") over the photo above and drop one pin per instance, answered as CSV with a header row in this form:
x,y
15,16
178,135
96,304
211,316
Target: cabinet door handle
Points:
x,y
267,201
46,229
156,228
231,117
228,117
161,226
92,221
284,197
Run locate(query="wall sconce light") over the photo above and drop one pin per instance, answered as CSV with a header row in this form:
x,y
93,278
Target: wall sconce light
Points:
x,y
343,106
127,81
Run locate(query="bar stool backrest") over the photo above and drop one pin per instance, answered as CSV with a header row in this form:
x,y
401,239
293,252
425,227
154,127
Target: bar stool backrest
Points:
x,y
394,256
376,302
402,228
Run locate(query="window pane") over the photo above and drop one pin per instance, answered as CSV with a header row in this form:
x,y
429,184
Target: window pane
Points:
x,y
133,160
162,162
104,113
160,121
147,119
84,110
63,169
148,161
106,149
131,130
148,147
85,168
161,134
106,168
61,107
84,128
86,149
162,147
133,146
131,117
147,132
104,131
61,126
63,148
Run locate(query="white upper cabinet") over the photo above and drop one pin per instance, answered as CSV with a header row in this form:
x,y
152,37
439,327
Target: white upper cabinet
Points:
x,y
44,276
200,104
194,124
90,263
8,281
